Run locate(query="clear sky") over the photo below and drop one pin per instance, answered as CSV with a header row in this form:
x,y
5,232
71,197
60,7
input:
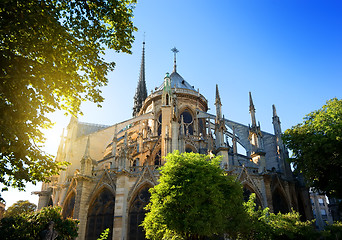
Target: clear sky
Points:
x,y
287,53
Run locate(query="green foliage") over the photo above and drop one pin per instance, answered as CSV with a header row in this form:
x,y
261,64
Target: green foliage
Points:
x,y
51,58
31,226
317,148
264,224
194,199
104,234
333,232
20,207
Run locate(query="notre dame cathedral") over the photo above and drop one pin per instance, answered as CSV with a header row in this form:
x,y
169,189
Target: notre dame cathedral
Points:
x,y
112,167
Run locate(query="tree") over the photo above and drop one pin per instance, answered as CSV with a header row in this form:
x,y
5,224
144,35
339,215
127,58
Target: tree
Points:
x,y
194,199
317,148
36,225
20,207
333,231
51,58
265,225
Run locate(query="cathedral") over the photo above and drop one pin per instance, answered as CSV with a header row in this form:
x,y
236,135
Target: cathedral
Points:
x,y
112,167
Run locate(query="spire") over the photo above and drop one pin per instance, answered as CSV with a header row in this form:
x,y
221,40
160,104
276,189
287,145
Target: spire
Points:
x,y
251,105
86,152
276,121
61,143
175,51
252,110
60,148
141,92
218,104
217,97
274,111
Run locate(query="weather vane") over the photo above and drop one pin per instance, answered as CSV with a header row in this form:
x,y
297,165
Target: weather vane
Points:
x,y
175,51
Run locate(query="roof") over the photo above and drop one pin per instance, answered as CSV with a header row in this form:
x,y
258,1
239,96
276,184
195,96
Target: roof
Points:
x,y
88,128
177,81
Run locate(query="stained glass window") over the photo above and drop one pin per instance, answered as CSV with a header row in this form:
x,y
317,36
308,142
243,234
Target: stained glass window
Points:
x,y
137,214
188,122
101,215
68,209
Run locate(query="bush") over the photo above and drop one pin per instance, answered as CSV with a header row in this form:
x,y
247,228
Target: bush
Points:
x,y
34,226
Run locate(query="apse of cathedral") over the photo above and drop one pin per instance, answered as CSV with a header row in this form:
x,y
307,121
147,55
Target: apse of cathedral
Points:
x,y
112,167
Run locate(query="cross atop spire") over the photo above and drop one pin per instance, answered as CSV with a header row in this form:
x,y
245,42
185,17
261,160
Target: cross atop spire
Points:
x,y
175,51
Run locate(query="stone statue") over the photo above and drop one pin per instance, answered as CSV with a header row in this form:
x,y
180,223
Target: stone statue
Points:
x,y
50,233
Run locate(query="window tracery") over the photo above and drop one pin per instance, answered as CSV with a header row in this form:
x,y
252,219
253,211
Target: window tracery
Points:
x,y
188,122
68,209
101,215
137,214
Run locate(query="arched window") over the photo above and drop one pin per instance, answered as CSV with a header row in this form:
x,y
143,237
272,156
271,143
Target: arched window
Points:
x,y
159,124
134,164
188,122
157,158
137,214
50,203
68,208
101,215
167,99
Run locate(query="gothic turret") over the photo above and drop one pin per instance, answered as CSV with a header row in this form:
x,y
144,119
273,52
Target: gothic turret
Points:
x,y
219,124
87,162
256,141
281,150
141,92
276,122
61,153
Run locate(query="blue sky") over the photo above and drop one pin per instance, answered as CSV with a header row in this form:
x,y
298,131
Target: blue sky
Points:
x,y
287,53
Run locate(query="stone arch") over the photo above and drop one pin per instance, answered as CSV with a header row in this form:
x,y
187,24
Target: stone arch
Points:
x,y
136,212
69,204
100,213
190,148
279,201
248,190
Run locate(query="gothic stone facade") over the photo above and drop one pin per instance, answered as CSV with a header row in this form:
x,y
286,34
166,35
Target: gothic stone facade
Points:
x,y
112,167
